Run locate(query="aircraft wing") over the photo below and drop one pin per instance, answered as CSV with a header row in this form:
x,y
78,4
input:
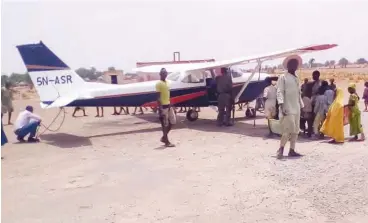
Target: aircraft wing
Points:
x,y
237,61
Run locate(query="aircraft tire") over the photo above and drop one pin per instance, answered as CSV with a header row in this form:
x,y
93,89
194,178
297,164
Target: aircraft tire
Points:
x,y
192,115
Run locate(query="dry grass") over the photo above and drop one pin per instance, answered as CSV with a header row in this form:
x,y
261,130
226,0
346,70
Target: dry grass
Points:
x,y
356,75
24,93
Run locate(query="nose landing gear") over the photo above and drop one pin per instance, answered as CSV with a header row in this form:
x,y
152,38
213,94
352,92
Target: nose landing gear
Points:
x,y
192,115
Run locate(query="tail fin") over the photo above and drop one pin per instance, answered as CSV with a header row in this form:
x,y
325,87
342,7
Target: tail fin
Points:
x,y
51,77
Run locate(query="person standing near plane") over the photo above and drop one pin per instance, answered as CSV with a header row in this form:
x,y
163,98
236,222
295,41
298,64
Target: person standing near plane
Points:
x,y
83,109
7,101
304,85
225,97
269,97
98,112
166,112
316,84
290,102
332,84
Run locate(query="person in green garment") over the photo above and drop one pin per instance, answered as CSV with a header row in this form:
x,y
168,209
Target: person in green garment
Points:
x,y
355,122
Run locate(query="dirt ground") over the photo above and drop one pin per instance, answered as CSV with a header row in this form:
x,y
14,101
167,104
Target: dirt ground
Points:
x,y
114,169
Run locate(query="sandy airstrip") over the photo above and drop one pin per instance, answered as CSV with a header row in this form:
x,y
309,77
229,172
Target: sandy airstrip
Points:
x,y
114,169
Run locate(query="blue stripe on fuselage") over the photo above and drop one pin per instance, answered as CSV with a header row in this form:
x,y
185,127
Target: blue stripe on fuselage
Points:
x,y
253,90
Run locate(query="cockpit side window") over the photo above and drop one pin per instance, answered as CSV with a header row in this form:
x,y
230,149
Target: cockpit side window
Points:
x,y
207,74
194,77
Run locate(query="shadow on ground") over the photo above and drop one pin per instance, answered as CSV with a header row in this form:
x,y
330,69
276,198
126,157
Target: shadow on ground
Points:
x,y
243,126
65,140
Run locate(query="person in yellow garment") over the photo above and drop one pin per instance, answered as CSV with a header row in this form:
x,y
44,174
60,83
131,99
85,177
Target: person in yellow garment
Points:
x,y
333,126
166,112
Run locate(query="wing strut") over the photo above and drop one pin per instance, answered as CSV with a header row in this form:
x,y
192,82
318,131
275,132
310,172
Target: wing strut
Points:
x,y
257,68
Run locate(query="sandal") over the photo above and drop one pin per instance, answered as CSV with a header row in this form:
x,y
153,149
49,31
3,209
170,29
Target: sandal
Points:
x,y
169,145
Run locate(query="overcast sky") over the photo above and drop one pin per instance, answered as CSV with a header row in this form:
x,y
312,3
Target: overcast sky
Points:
x,y
111,33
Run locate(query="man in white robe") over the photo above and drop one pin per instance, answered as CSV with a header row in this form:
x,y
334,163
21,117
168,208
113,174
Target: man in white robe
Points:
x,y
270,98
290,105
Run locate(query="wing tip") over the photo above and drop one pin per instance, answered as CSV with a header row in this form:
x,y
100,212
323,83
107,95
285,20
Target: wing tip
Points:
x,y
319,47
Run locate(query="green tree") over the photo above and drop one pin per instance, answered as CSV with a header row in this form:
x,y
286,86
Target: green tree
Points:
x,y
91,74
343,62
111,69
327,63
4,79
28,80
361,61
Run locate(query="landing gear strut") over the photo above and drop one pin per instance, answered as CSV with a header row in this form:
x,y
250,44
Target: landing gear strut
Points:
x,y
250,113
192,115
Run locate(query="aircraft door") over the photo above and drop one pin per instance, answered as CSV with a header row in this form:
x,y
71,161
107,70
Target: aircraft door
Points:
x,y
211,86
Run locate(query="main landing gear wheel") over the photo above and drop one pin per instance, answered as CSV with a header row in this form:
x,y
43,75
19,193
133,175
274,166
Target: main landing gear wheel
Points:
x,y
192,115
250,113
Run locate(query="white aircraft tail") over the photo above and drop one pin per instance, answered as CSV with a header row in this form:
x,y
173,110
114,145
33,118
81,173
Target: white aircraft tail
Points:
x,y
54,81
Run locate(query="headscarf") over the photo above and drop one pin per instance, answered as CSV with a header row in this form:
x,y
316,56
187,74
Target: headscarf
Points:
x,y
352,85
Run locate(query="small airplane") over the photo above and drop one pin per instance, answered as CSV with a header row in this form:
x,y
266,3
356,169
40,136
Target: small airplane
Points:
x,y
191,85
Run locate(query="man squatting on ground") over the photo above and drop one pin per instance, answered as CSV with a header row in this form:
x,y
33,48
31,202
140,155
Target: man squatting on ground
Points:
x,y
290,102
166,112
27,123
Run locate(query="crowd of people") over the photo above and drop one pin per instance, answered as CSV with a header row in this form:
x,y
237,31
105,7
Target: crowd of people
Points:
x,y
315,109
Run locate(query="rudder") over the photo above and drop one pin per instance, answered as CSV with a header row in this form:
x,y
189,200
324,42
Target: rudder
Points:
x,y
51,77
